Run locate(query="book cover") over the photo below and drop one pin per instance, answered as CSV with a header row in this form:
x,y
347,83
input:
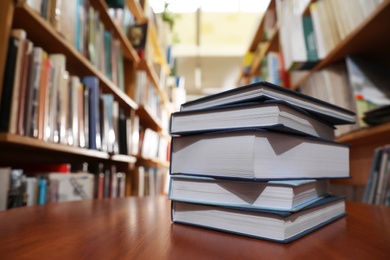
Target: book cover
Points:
x,y
17,189
73,187
80,21
73,128
32,94
290,195
123,133
8,82
13,116
80,116
115,46
265,91
258,154
43,98
31,190
94,130
86,120
276,115
373,177
63,109
5,173
137,35
113,182
108,123
58,61
108,53
26,63
115,126
278,226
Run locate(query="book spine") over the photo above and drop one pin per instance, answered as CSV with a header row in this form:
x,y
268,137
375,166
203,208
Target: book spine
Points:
x,y
9,77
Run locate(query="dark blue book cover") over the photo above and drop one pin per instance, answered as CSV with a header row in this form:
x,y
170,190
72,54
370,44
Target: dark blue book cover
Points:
x,y
92,83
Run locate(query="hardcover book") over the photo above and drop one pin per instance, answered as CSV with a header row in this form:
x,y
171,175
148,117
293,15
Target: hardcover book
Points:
x,y
279,226
265,91
11,64
92,83
275,115
290,195
258,154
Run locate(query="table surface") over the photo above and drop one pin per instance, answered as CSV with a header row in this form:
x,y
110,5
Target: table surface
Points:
x,y
141,228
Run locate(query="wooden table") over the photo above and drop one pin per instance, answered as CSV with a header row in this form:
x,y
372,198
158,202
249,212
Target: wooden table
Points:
x,y
133,228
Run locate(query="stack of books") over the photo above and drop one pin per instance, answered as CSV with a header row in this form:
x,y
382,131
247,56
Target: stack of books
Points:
x,y
256,161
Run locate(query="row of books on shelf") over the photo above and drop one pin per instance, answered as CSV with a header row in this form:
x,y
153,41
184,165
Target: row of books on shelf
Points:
x,y
378,185
41,99
307,39
150,181
81,26
356,83
237,166
39,185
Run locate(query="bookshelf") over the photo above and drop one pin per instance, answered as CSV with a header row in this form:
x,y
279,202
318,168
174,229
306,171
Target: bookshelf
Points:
x,y
368,40
18,150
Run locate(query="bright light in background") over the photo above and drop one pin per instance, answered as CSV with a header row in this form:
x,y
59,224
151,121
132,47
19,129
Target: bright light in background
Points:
x,y
219,6
215,6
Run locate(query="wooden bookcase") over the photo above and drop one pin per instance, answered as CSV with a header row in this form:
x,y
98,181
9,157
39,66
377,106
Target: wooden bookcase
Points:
x,y
369,39
16,149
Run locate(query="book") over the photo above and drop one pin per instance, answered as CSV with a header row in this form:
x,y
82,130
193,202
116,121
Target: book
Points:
x,y
17,189
264,91
258,154
43,99
5,173
275,115
26,63
290,195
383,177
31,190
92,83
377,116
137,35
372,182
42,190
19,75
59,63
301,52
73,187
32,93
108,134
279,226
11,65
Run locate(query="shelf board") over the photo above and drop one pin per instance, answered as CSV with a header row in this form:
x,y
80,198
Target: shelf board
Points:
x,y
148,119
128,50
368,135
123,158
368,40
37,150
44,35
152,162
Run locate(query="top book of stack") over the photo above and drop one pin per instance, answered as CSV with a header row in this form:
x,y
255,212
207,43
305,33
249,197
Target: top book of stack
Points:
x,y
260,91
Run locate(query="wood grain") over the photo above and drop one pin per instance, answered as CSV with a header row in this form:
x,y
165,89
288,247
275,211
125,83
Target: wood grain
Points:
x,y
134,228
